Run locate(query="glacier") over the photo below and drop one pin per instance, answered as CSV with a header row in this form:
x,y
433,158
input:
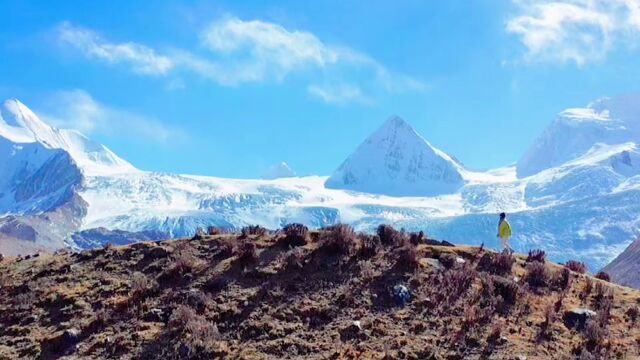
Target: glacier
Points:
x,y
575,193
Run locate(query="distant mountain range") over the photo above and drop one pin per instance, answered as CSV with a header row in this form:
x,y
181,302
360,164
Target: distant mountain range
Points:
x,y
575,192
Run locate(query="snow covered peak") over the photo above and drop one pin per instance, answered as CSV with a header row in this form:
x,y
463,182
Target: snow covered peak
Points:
x,y
19,124
396,160
281,170
575,131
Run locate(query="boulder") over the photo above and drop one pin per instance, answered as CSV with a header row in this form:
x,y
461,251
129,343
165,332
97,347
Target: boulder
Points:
x,y
576,318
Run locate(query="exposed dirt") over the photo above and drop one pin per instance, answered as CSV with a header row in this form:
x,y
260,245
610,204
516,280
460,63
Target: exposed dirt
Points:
x,y
211,298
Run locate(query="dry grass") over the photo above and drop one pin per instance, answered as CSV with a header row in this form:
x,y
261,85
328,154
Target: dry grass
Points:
x,y
264,300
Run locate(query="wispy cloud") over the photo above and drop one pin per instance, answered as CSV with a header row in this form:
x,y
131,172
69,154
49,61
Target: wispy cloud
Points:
x,y
143,59
77,109
239,51
579,31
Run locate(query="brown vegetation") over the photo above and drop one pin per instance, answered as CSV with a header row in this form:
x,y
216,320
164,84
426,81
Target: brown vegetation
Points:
x,y
332,293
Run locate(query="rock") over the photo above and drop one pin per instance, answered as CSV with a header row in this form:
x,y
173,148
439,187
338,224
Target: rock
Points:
x,y
435,263
353,331
155,315
460,260
1,257
158,252
577,317
60,344
401,294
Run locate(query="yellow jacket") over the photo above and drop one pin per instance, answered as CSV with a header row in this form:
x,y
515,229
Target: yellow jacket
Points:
x,y
504,229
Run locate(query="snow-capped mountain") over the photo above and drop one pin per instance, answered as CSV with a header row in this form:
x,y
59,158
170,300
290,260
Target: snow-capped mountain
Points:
x,y
57,188
575,131
281,170
395,160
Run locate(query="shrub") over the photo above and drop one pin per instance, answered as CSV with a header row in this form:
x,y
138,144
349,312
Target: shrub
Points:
x,y
339,238
295,234
295,259
457,281
416,238
408,257
214,230
245,251
550,316
499,264
390,236
537,256
603,298
182,315
257,230
200,336
505,288
633,313
561,279
603,276
588,287
537,274
183,262
447,260
576,266
594,332
369,244
141,285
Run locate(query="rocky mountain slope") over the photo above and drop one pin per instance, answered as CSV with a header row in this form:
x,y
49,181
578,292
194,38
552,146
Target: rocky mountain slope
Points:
x,y
58,187
318,295
624,269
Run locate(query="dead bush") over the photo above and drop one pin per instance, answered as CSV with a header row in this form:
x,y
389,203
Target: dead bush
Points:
x,y
632,314
537,274
245,251
295,259
498,264
594,332
457,282
339,238
214,230
417,238
506,288
447,260
561,279
537,256
408,257
603,299
369,245
255,230
576,266
587,289
390,236
141,285
603,276
183,262
295,234
550,316
199,336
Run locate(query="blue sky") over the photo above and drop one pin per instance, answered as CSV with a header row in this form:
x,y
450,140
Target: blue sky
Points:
x,y
228,88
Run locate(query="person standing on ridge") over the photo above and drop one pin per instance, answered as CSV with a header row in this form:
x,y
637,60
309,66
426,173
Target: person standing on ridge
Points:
x,y
504,232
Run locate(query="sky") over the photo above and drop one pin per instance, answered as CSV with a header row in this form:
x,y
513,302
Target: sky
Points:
x,y
229,88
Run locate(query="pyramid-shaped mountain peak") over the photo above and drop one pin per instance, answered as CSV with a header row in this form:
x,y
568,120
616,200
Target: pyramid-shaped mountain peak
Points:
x,y
395,160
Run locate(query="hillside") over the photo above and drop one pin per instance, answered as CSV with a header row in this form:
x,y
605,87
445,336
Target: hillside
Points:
x,y
625,267
292,294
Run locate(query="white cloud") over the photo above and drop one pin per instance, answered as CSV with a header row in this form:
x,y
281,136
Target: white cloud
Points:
x,y
579,31
338,94
240,52
143,59
78,110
